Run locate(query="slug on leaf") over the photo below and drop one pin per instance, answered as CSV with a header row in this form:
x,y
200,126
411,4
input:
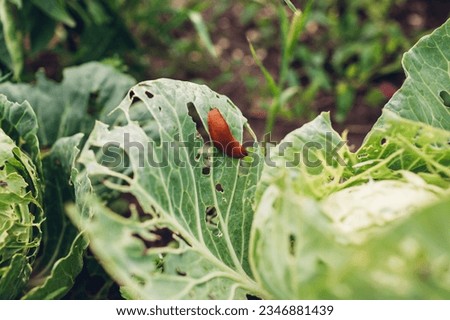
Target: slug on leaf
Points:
x,y
221,135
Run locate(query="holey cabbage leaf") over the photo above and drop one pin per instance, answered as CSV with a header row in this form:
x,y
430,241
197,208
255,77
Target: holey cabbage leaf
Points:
x,y
167,214
374,224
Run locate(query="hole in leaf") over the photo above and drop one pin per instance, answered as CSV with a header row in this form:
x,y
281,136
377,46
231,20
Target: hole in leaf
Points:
x,y
445,96
206,171
126,203
131,94
219,187
383,141
149,94
181,273
211,216
192,112
120,206
252,297
135,100
164,236
292,244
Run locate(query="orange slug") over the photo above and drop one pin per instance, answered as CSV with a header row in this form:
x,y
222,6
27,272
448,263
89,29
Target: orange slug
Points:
x,y
221,135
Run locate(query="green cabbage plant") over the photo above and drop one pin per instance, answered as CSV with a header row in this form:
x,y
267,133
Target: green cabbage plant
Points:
x,y
21,204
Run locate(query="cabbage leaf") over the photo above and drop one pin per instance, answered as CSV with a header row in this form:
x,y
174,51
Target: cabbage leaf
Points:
x,y
167,214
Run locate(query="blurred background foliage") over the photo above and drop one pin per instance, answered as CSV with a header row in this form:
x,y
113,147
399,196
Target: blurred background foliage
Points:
x,y
282,62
